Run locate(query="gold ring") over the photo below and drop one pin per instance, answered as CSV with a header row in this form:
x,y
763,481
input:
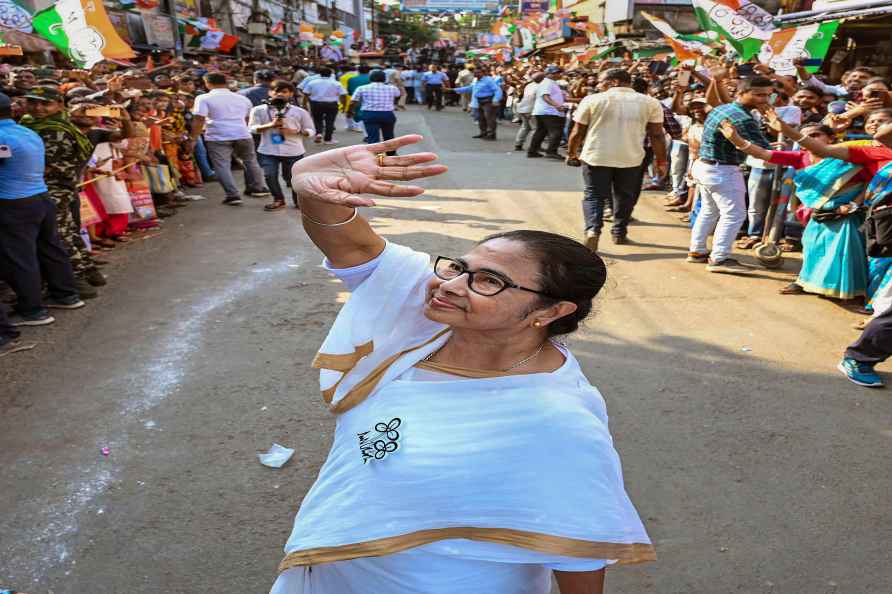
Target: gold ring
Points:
x,y
381,159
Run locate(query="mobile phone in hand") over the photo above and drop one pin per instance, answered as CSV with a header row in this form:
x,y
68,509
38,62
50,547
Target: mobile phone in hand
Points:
x,y
684,78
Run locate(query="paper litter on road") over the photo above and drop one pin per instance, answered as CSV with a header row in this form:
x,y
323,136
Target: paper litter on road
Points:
x,y
276,456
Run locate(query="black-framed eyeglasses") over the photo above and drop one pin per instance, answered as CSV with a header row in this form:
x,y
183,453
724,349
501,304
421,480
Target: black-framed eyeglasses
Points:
x,y
482,282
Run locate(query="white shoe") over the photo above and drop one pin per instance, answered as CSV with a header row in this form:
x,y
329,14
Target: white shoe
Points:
x,y
332,141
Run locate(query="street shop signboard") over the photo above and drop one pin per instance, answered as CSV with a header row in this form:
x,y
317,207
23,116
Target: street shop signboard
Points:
x,y
532,6
450,6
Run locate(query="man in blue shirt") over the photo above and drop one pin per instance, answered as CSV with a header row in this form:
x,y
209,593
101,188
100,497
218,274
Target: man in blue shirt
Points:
x,y
259,93
433,81
486,94
29,238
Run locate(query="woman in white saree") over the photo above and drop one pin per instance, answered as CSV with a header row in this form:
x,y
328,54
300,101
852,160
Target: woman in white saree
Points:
x,y
470,455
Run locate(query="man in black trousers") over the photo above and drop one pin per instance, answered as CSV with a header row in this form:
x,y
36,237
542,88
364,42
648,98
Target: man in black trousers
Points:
x,y
874,346
29,237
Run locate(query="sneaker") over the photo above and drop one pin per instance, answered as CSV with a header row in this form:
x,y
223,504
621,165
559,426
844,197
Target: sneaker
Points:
x,y
332,141
534,155
318,139
84,289
728,266
14,346
38,319
591,240
697,258
859,373
232,201
95,278
620,239
71,302
554,156
260,194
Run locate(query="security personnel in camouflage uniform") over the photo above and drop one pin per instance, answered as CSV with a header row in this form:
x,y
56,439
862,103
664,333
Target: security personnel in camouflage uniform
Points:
x,y
67,152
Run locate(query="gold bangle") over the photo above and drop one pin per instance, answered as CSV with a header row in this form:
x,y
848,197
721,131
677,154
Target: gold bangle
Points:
x,y
321,224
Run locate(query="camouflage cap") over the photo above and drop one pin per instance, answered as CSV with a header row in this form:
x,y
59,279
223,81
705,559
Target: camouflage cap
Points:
x,y
44,94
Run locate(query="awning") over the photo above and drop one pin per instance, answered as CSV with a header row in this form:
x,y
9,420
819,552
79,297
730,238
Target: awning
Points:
x,y
876,9
28,43
552,43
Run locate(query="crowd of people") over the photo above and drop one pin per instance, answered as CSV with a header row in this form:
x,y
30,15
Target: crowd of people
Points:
x,y
745,154
90,160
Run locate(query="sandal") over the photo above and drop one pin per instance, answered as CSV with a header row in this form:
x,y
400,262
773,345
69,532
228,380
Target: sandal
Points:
x,y
274,206
676,202
747,243
102,242
792,289
685,219
679,208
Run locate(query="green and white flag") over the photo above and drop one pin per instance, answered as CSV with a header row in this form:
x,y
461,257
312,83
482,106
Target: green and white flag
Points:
x,y
82,31
746,26
806,41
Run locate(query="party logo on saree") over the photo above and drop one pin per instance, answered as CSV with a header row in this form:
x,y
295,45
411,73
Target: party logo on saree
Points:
x,y
382,440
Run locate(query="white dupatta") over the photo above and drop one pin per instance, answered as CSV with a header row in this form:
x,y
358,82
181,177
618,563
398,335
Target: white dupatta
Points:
x,y
513,469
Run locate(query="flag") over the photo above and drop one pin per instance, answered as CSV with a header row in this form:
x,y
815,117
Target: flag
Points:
x,y
218,41
806,41
746,26
81,30
684,50
277,29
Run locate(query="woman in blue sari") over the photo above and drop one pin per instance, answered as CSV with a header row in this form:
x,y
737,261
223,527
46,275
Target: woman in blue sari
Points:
x,y
834,254
879,290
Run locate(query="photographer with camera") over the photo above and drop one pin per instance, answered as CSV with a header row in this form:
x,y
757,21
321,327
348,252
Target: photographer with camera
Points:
x,y
282,126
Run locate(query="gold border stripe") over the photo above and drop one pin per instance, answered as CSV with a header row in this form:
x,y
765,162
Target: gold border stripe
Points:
x,y
361,391
544,543
343,363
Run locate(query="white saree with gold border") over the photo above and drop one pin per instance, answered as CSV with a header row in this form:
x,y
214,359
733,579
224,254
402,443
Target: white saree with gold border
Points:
x,y
461,485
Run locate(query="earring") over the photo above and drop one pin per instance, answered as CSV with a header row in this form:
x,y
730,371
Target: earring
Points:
x,y
537,323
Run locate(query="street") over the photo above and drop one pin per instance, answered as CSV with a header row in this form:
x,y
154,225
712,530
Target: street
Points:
x,y
756,467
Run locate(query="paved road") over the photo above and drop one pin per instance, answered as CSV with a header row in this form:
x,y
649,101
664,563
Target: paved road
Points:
x,y
755,466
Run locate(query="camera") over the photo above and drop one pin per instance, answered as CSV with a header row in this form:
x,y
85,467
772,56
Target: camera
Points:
x,y
280,105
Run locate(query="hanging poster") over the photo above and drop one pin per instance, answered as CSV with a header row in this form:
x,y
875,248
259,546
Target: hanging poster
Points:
x,y
159,30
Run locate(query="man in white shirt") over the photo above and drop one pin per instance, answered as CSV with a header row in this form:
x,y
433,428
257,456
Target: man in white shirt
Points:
x,y
548,110
282,126
325,94
223,116
464,79
610,129
524,110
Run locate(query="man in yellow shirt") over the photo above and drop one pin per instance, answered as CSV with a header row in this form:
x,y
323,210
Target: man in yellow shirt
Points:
x,y
609,129
345,78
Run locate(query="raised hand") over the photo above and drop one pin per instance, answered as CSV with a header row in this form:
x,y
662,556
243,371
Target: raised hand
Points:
x,y
728,130
774,121
339,176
